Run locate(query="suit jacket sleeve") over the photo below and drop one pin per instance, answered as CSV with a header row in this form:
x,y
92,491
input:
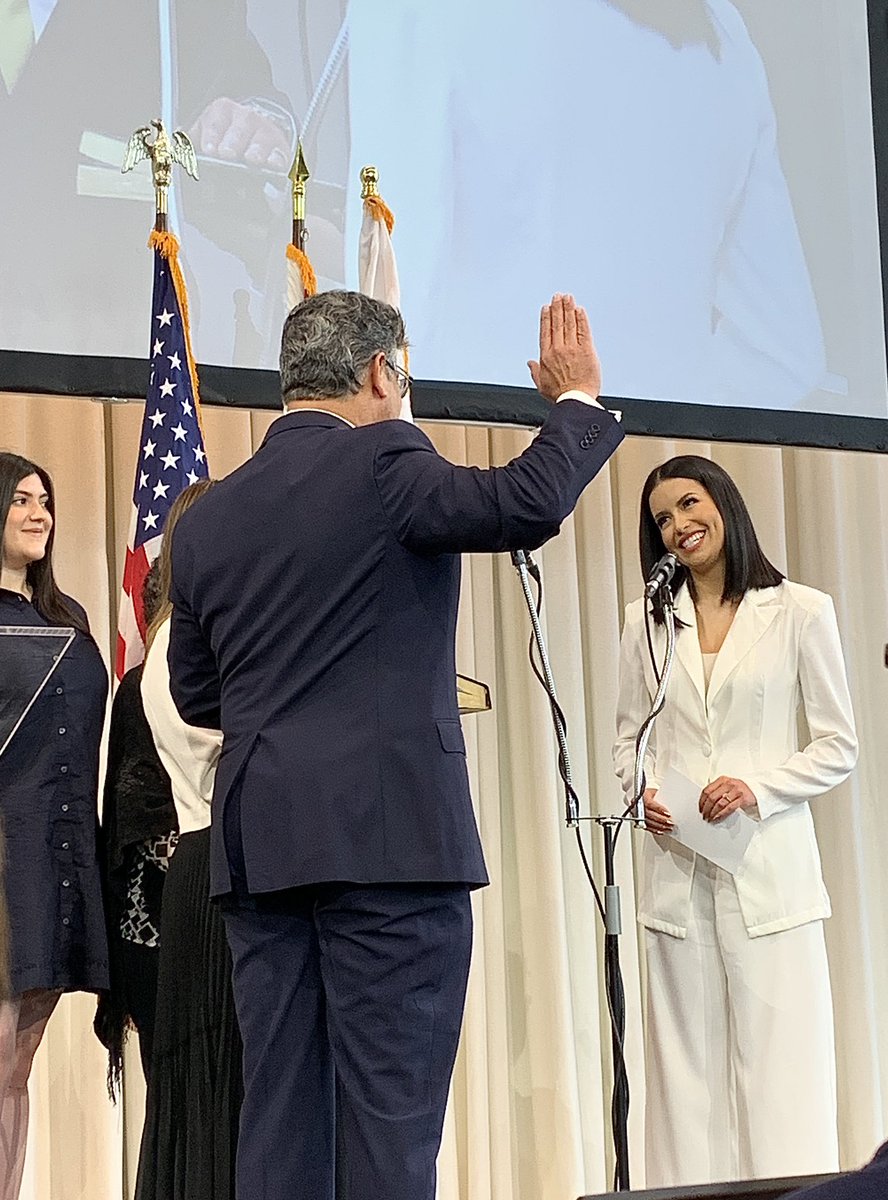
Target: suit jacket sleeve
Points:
x,y
194,678
830,755
436,507
237,68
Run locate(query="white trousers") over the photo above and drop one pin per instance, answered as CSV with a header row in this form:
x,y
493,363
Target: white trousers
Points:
x,y
739,1047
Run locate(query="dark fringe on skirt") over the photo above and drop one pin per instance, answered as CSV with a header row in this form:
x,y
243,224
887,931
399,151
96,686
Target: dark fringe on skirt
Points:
x,y
190,1136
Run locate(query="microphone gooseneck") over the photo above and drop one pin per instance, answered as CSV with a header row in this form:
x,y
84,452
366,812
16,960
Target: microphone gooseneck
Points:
x,y
661,575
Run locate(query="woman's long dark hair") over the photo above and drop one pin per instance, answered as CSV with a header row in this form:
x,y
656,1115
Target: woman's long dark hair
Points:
x,y
47,599
163,564
745,564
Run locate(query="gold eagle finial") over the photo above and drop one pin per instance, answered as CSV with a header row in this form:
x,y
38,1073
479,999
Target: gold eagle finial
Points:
x,y
162,152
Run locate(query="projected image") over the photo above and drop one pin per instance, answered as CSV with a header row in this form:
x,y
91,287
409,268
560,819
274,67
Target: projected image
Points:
x,y
673,164
634,163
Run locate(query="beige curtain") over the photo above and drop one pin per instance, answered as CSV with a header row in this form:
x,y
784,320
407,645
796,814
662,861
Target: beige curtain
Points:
x,y
529,1115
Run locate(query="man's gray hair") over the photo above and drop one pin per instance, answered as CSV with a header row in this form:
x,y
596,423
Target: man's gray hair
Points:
x,y
329,340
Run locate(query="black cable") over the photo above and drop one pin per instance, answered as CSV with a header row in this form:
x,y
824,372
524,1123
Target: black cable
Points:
x,y
614,989
588,869
650,641
620,1092
632,807
559,720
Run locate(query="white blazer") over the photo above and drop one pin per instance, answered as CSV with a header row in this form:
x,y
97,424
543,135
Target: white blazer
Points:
x,y
782,649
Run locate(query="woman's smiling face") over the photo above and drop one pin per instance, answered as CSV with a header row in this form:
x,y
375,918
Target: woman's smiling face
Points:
x,y
689,522
28,523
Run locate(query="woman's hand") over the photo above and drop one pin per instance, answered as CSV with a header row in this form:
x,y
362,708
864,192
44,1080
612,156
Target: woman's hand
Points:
x,y
657,819
724,796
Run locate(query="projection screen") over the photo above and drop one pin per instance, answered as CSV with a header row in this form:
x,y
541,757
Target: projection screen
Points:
x,y
703,175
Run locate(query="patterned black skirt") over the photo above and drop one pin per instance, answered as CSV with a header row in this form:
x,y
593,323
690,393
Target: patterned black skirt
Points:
x,y
194,1097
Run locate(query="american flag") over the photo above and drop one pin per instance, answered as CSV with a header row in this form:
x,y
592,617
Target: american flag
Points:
x,y
171,449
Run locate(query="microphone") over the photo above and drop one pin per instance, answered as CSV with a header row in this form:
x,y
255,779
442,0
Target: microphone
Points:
x,y
661,575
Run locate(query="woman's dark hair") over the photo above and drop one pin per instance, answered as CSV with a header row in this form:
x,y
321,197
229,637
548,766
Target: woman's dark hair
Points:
x,y
745,564
47,599
162,567
152,599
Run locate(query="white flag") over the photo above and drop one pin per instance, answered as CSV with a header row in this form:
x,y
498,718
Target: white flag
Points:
x,y
377,269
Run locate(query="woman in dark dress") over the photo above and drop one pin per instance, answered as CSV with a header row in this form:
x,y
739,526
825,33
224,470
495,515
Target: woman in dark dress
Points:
x,y
48,803
194,1094
139,830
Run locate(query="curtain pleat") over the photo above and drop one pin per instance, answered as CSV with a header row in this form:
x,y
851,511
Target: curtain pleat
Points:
x,y
529,1117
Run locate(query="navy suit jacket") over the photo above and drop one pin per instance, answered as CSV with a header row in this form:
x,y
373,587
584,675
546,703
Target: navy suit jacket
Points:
x,y
869,1183
315,597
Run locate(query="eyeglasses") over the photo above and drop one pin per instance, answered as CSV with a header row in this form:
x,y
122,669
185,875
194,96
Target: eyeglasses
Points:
x,y
405,381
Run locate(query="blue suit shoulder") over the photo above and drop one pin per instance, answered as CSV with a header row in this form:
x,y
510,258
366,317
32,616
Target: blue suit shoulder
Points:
x,y
869,1183
394,435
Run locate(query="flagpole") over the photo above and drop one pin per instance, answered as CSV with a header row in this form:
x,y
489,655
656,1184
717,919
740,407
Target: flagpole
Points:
x,y
299,176
301,279
171,448
165,18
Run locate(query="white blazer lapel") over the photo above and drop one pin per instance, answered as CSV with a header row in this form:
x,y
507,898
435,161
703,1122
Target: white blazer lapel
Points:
x,y
756,611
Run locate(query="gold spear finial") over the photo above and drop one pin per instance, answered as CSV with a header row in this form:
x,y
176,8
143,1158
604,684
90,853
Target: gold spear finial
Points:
x,y
163,152
369,182
299,175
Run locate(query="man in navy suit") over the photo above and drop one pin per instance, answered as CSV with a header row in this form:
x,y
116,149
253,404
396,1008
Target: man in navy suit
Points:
x,y
869,1183
315,593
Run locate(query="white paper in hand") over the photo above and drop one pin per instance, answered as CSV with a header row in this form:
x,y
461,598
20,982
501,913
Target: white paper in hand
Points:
x,y
724,843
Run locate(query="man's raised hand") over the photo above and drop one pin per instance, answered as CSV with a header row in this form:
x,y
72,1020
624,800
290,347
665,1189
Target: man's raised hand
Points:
x,y
568,359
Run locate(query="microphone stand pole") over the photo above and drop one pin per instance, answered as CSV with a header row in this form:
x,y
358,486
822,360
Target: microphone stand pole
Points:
x,y
616,999
634,815
613,923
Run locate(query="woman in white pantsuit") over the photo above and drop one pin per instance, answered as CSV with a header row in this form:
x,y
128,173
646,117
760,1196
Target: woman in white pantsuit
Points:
x,y
739,1028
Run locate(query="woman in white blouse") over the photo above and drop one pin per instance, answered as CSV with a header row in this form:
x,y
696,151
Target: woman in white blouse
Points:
x,y
740,1054
190,1135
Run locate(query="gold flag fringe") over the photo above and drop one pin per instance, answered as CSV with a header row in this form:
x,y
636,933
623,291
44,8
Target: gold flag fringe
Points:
x,y
380,211
167,245
306,270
